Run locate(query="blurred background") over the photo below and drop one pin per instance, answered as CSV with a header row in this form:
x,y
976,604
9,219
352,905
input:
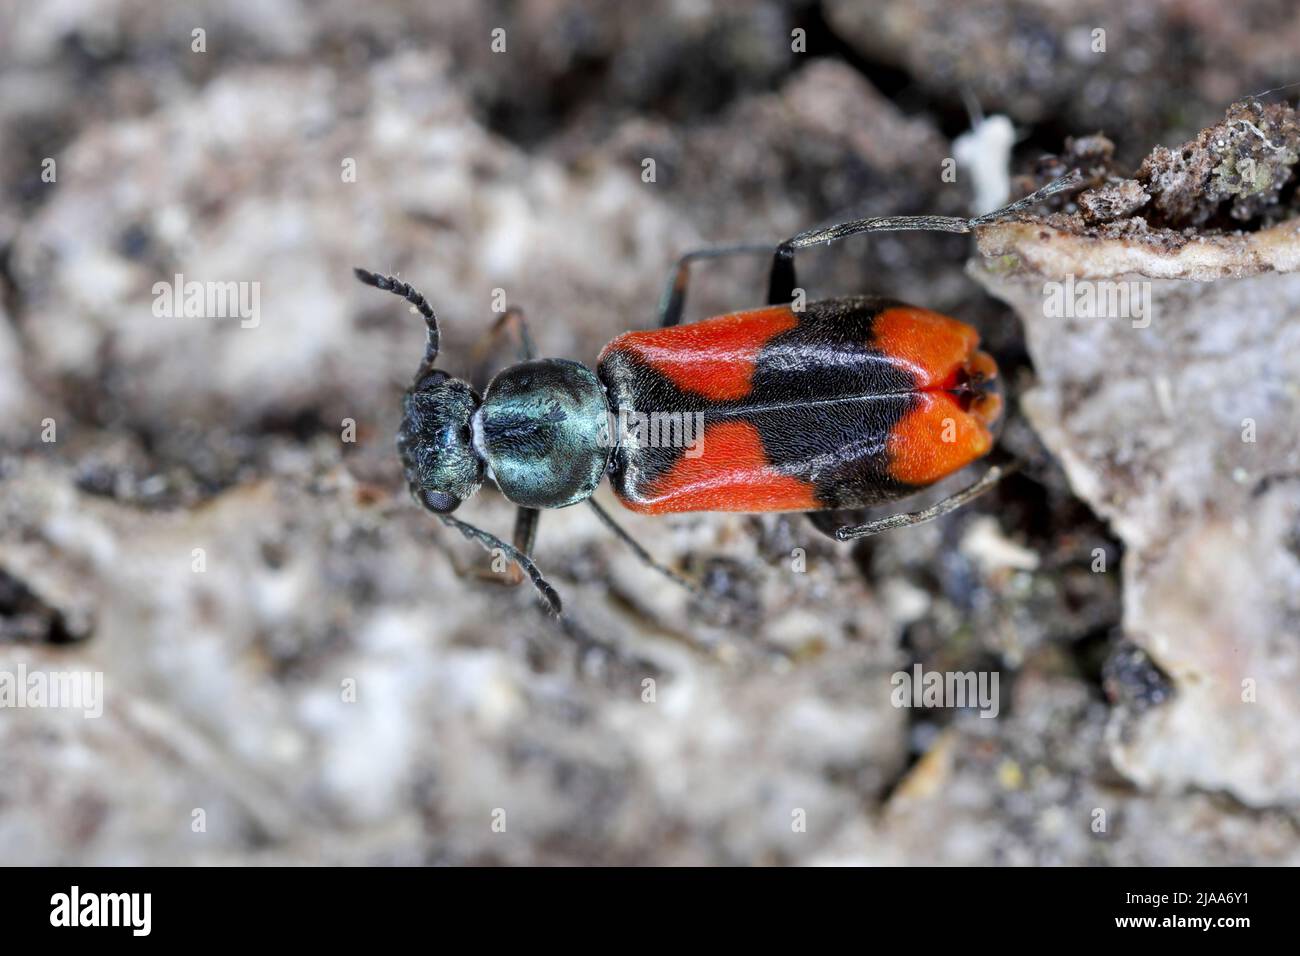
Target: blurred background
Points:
x,y
299,666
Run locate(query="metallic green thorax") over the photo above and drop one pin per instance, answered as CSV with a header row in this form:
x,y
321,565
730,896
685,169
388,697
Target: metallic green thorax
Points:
x,y
544,431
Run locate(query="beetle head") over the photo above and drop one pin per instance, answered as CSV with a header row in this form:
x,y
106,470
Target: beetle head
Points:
x,y
436,442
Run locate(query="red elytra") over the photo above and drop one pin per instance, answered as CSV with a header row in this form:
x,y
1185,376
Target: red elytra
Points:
x,y
849,402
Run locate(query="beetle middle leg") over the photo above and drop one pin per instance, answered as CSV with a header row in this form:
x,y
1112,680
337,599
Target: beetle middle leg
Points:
x,y
673,301
644,555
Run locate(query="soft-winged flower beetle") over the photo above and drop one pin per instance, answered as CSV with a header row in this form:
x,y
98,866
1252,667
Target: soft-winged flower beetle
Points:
x,y
845,403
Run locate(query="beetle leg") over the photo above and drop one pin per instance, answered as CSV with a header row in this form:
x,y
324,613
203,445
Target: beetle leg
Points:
x,y
828,522
482,353
491,542
524,538
781,282
990,478
639,551
673,301
515,315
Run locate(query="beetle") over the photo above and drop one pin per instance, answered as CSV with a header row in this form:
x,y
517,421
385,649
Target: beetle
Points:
x,y
845,403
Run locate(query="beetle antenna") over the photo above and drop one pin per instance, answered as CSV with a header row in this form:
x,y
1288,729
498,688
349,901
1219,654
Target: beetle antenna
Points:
x,y
639,551
491,541
398,287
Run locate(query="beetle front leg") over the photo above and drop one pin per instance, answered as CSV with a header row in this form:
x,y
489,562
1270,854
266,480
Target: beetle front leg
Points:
x,y
481,356
525,536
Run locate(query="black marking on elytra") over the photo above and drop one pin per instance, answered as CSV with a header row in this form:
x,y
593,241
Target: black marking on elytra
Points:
x,y
633,385
846,396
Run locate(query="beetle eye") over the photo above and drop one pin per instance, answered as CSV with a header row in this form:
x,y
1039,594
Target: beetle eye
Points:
x,y
439,502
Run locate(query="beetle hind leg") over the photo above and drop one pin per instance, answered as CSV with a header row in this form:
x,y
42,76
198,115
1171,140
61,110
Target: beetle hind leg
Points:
x,y
908,519
828,522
